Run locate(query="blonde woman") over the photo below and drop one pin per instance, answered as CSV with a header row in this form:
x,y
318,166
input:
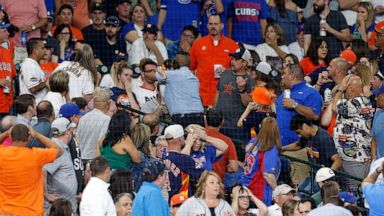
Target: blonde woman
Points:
x,y
208,199
365,24
204,149
58,90
262,163
365,73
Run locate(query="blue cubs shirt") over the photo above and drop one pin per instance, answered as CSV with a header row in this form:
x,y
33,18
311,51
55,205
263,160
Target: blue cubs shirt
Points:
x,y
257,163
246,20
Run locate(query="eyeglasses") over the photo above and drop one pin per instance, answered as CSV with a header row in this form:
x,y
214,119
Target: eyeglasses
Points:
x,y
188,36
244,197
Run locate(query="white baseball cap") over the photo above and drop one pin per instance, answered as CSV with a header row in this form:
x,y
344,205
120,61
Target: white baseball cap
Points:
x,y
264,68
60,125
282,189
174,131
323,174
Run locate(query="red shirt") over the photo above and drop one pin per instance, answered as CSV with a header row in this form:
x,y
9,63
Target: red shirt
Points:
x,y
204,55
7,68
308,66
230,154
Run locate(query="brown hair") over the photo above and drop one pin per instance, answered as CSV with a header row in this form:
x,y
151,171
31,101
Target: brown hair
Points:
x,y
268,135
371,16
289,207
19,133
330,189
203,182
141,136
279,31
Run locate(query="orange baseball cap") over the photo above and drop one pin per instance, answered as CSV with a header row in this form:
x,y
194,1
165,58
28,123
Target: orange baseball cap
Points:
x,y
349,55
178,199
261,95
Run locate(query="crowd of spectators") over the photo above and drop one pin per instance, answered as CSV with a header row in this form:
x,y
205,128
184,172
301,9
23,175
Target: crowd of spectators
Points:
x,y
191,107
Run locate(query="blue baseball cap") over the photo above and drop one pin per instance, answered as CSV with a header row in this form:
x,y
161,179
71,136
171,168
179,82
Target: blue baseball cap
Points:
x,y
69,109
347,197
4,25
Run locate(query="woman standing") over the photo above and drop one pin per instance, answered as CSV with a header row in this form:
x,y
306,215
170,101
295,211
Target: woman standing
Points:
x,y
208,199
262,163
365,24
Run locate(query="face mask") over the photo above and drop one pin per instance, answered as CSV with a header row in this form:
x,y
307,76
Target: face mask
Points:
x,y
319,8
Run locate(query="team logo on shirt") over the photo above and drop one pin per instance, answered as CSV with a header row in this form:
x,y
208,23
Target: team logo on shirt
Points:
x,y
247,11
184,1
249,164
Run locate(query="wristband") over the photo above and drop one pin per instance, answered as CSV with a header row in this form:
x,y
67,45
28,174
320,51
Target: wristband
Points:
x,y
294,105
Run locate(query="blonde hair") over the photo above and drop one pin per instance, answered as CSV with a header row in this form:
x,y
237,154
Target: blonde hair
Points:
x,y
141,135
117,69
371,16
364,72
101,95
86,59
58,82
203,182
289,206
194,127
268,135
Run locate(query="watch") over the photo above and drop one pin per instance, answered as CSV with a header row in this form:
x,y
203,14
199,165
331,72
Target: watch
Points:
x,y
33,27
242,91
294,105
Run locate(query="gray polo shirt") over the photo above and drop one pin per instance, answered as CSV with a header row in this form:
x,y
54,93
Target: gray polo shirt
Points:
x,y
61,177
91,127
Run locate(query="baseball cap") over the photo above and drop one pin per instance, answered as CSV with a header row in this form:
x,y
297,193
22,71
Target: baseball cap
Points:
x,y
300,27
282,189
347,197
242,53
262,96
97,7
299,9
349,56
323,174
379,90
112,20
60,125
264,68
174,131
380,75
178,199
69,109
154,167
4,25
150,28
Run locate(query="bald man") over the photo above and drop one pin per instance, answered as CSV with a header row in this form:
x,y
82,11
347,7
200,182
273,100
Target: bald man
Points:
x,y
352,130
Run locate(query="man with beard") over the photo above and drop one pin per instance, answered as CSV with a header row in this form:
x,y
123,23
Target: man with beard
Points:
x,y
335,27
106,50
95,32
148,47
209,58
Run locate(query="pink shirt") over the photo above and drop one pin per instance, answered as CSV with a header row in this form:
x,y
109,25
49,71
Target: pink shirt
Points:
x,y
7,142
24,12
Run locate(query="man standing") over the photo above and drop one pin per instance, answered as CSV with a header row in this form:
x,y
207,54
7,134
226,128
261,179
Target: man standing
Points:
x,y
148,47
45,116
149,200
96,199
182,94
59,175
32,79
7,72
94,124
182,172
28,16
352,130
95,32
21,182
333,26
110,46
228,162
209,57
235,85
373,191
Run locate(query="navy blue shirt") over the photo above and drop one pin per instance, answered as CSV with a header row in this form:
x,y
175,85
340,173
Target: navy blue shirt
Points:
x,y
107,53
304,95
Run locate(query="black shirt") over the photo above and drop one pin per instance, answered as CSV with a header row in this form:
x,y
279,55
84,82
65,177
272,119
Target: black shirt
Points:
x,y
93,36
107,53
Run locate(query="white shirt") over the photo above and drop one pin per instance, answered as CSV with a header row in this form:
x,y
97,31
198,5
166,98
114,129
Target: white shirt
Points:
x,y
268,54
139,51
80,79
107,81
375,3
96,200
296,50
32,76
57,100
273,210
350,16
144,95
